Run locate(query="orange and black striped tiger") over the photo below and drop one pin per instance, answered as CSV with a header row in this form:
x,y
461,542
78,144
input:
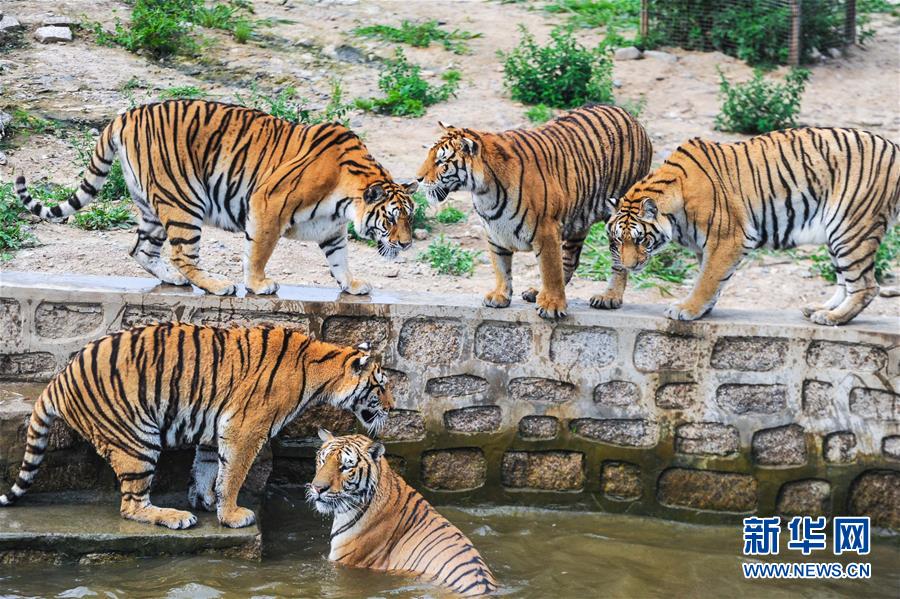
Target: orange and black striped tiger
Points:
x,y
191,162
541,190
135,393
380,522
840,187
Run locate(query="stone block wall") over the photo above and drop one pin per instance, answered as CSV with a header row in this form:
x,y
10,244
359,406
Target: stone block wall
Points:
x,y
626,411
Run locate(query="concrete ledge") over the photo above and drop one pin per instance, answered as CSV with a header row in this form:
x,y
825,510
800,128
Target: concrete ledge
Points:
x,y
623,410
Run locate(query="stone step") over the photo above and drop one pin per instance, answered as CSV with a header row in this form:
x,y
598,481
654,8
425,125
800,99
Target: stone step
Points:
x,y
87,527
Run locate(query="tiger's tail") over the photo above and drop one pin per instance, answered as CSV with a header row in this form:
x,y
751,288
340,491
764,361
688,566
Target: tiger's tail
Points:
x,y
42,417
94,176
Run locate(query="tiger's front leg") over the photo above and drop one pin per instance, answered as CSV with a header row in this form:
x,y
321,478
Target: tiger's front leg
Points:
x,y
335,250
551,301
718,266
261,237
237,448
501,259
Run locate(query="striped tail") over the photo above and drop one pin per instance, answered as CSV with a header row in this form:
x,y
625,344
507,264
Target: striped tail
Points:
x,y
42,416
94,177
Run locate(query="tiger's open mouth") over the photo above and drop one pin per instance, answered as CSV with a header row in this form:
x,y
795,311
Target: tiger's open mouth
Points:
x,y
373,420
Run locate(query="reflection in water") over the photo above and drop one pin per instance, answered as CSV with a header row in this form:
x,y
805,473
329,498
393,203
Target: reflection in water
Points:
x,y
534,553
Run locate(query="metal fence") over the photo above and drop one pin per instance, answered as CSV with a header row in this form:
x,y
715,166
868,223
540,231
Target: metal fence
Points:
x,y
758,31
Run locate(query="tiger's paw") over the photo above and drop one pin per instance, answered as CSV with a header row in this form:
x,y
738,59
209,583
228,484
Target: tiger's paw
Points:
x,y
551,308
357,287
219,285
237,518
679,311
202,501
825,317
496,299
811,309
530,295
605,301
263,287
174,519
173,277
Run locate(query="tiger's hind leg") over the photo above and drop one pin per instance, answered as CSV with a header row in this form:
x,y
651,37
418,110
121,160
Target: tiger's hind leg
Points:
x,y
202,492
183,232
147,251
135,475
237,450
856,270
501,259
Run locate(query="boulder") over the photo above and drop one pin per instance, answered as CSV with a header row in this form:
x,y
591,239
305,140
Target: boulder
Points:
x,y
50,34
658,55
59,22
627,53
9,24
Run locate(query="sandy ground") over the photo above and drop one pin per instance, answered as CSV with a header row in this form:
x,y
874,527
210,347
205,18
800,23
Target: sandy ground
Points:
x,y
82,83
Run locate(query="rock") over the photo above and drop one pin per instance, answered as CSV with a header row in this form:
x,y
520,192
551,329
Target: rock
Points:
x,y
804,498
814,54
9,24
455,469
420,234
475,419
404,425
835,53
663,56
544,427
47,35
2,159
503,343
543,470
59,22
627,53
889,292
617,83
621,481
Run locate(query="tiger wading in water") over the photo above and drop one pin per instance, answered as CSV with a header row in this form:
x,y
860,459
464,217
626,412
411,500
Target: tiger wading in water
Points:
x,y
840,187
192,162
137,392
541,190
382,523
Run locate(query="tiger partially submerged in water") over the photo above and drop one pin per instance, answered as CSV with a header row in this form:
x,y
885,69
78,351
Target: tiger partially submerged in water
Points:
x,y
227,391
380,522
840,187
192,162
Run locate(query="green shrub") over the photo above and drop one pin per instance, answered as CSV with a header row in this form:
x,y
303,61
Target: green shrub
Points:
x,y
598,13
420,35
760,105
673,264
757,33
562,74
887,258
540,113
405,92
183,92
448,258
290,107
13,232
420,219
450,216
25,124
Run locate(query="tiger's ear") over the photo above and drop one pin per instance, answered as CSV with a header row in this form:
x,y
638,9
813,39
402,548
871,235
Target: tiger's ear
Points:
x,y
325,435
376,450
612,204
410,186
373,193
360,363
469,146
649,209
445,126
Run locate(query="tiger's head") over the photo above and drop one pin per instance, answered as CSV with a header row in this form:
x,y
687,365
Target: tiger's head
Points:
x,y
454,162
361,388
385,216
347,471
636,232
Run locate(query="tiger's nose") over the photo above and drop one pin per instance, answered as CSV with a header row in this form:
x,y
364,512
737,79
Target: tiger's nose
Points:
x,y
420,180
405,244
318,488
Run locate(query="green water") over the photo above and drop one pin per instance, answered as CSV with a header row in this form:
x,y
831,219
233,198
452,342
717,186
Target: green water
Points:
x,y
534,553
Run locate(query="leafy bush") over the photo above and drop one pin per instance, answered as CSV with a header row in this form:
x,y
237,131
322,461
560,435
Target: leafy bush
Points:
x,y
757,32
24,124
597,13
673,264
183,92
887,258
420,35
13,232
290,107
405,92
448,258
562,74
759,105
540,113
450,216
420,219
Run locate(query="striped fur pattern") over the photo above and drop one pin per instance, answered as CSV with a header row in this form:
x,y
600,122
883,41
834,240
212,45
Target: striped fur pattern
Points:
x,y
541,190
380,522
191,162
839,187
226,391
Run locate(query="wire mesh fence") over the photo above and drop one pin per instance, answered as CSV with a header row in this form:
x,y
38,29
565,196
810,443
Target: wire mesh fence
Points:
x,y
757,31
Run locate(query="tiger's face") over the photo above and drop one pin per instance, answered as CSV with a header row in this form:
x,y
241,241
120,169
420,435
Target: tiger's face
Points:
x,y
453,163
385,216
347,470
362,387
636,233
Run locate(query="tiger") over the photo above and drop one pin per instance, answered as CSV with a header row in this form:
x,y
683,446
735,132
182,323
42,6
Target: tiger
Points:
x,y
226,391
187,163
541,189
382,523
839,187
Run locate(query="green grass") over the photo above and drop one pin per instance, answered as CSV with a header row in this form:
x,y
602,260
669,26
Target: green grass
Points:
x,y
541,113
406,93
672,265
761,105
887,258
449,258
291,107
23,125
14,234
182,92
420,35
598,13
450,216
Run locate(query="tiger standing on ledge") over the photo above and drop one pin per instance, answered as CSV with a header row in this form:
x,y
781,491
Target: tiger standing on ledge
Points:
x,y
840,187
541,189
135,393
192,162
382,523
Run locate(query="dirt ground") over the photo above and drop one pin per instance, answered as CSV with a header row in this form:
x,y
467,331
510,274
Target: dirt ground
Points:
x,y
81,83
